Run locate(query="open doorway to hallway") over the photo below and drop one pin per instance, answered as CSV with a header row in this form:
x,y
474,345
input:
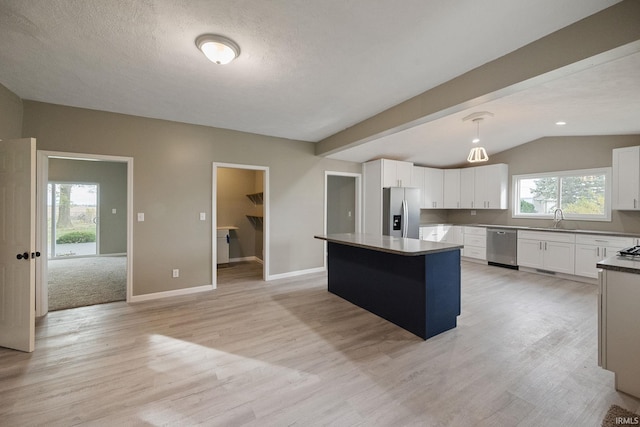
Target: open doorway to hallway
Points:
x,y
240,223
84,230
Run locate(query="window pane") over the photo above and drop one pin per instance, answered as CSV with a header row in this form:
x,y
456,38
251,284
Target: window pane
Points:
x,y
583,195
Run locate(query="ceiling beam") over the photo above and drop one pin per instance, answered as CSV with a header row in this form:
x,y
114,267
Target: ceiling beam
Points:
x,y
599,38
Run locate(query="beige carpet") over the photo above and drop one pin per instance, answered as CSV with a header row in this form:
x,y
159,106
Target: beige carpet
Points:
x,y
77,282
617,416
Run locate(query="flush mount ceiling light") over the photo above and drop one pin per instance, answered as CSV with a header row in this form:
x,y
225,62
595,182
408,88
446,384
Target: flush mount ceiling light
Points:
x,y
218,49
477,154
561,123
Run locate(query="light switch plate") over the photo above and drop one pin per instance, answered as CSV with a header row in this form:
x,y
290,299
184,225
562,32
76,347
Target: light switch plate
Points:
x,y
175,273
203,216
140,216
114,210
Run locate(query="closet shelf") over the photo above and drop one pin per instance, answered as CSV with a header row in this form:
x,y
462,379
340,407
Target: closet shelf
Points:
x,y
255,220
256,198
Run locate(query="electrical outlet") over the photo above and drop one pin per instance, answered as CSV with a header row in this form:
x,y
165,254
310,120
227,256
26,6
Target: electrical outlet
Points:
x,y
203,216
140,216
473,212
176,273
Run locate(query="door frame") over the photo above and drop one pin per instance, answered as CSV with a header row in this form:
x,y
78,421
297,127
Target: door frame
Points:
x,y
42,161
214,217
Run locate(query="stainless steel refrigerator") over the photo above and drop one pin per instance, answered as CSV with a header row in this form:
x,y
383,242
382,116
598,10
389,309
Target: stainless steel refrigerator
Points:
x,y
401,212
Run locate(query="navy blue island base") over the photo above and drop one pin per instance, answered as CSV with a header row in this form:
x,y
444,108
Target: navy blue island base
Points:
x,y
418,290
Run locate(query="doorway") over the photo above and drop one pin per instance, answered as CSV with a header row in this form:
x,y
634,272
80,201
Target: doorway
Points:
x,y
342,202
240,222
85,230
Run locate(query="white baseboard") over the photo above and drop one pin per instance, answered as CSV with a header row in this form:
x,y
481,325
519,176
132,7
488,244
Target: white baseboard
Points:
x,y
174,293
295,273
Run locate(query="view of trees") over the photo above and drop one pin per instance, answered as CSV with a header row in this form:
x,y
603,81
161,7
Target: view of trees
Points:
x,y
583,194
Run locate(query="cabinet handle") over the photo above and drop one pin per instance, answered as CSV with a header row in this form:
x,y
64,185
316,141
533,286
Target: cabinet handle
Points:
x,y
540,245
634,203
597,252
605,252
545,246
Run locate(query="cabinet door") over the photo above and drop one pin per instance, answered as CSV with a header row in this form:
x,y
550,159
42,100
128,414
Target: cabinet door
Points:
x,y
404,170
417,181
530,253
389,173
433,185
451,191
467,188
559,257
496,179
626,178
453,234
586,259
481,186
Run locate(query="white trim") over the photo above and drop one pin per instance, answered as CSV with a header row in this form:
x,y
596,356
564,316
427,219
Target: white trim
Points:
x,y
296,273
214,217
173,293
42,294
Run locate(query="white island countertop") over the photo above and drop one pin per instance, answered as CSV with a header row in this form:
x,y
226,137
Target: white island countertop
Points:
x,y
393,245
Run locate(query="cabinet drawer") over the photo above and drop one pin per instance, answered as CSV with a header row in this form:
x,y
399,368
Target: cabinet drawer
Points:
x,y
549,236
477,241
474,252
610,241
477,231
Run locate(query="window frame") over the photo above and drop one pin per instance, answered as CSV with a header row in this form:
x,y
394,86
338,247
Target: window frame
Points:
x,y
515,192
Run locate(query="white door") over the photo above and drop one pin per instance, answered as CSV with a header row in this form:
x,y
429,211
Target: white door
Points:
x,y
17,243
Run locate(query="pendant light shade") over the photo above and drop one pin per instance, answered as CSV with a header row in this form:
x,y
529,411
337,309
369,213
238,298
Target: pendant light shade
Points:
x,y
218,49
477,154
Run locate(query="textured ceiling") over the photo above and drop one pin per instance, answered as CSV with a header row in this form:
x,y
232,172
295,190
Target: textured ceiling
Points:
x,y
307,70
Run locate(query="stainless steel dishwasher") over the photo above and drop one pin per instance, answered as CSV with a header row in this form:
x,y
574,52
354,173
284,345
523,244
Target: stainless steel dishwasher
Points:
x,y
502,247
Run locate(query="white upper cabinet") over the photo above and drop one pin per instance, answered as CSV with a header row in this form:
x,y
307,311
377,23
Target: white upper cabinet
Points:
x,y
430,183
451,188
484,187
626,178
467,188
396,173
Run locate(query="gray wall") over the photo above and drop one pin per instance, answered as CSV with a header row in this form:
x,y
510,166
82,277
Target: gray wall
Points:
x,y
556,154
172,184
233,207
112,178
10,114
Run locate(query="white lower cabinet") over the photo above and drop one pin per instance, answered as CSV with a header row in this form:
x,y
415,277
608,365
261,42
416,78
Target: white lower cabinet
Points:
x,y
551,251
475,243
591,248
443,233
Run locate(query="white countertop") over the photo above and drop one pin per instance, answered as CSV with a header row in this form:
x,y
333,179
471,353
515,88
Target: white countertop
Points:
x,y
394,245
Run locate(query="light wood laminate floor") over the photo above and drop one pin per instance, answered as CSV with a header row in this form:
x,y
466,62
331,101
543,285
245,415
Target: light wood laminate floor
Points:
x,y
287,352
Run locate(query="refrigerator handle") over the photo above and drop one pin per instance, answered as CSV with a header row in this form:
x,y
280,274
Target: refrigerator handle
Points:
x,y
405,214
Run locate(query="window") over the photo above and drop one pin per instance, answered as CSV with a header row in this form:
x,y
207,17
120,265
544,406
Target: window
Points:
x,y
581,194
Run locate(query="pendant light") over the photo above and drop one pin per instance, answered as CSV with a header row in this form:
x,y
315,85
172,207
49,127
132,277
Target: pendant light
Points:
x,y
218,49
477,154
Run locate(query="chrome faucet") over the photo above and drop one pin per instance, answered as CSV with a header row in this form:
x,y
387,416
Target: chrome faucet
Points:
x,y
557,220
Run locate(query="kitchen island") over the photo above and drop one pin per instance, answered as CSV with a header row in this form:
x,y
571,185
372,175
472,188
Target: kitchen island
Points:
x,y
412,283
618,320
